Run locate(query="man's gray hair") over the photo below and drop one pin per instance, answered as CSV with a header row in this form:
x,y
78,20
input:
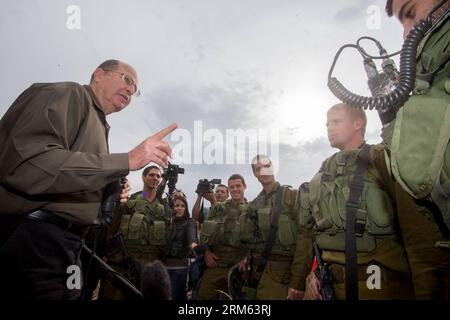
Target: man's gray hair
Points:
x,y
110,64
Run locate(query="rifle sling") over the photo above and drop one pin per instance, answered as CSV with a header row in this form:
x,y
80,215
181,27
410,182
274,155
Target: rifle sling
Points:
x,y
353,204
275,214
124,281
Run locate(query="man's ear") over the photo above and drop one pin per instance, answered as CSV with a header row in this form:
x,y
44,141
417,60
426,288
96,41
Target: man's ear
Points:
x,y
98,74
358,124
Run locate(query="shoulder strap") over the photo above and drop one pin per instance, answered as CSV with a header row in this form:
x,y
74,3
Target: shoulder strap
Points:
x,y
353,204
276,210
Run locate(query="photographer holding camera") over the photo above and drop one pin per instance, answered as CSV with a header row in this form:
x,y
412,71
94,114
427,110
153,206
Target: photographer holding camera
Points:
x,y
204,190
220,240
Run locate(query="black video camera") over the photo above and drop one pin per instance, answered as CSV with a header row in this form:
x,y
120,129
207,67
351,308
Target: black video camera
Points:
x,y
172,172
170,176
206,186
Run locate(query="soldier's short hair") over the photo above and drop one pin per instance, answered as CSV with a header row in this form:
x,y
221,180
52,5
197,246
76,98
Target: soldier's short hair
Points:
x,y
237,176
353,114
260,157
110,64
146,170
389,8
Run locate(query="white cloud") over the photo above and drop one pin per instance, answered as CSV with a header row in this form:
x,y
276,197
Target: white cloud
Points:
x,y
232,64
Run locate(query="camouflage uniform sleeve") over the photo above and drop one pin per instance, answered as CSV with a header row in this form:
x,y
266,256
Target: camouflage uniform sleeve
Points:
x,y
303,258
303,255
378,172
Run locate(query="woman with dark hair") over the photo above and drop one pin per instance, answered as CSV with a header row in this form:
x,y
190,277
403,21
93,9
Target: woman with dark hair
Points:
x,y
181,238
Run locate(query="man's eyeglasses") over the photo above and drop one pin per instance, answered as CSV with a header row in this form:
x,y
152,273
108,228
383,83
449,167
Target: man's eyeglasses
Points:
x,y
128,81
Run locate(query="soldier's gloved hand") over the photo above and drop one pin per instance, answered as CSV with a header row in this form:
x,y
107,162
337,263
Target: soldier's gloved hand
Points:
x,y
312,288
210,259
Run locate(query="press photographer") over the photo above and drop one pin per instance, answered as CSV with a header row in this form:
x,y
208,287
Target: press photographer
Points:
x,y
205,190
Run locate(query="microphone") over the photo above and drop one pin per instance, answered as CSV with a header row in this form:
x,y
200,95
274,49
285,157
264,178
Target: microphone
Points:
x,y
155,282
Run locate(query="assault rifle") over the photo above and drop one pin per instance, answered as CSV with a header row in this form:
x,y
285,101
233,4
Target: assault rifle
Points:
x,y
132,269
324,276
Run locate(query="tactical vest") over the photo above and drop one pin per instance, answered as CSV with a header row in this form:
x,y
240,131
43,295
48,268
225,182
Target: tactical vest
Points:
x,y
255,225
144,225
417,141
221,226
326,195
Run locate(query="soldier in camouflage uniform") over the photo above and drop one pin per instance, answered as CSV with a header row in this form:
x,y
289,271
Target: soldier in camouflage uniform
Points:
x,y
220,232
142,222
417,146
323,214
276,277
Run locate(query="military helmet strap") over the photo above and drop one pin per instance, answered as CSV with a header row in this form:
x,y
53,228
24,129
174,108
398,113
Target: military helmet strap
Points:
x,y
353,204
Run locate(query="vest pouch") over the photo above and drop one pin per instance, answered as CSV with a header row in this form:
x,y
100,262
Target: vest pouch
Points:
x,y
235,240
264,222
157,233
336,242
133,227
246,228
229,223
210,233
417,159
380,210
338,202
319,197
286,234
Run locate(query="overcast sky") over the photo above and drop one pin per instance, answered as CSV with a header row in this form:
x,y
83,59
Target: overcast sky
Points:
x,y
212,66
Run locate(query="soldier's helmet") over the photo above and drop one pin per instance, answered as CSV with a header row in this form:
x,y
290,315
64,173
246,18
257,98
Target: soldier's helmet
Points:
x,y
237,281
